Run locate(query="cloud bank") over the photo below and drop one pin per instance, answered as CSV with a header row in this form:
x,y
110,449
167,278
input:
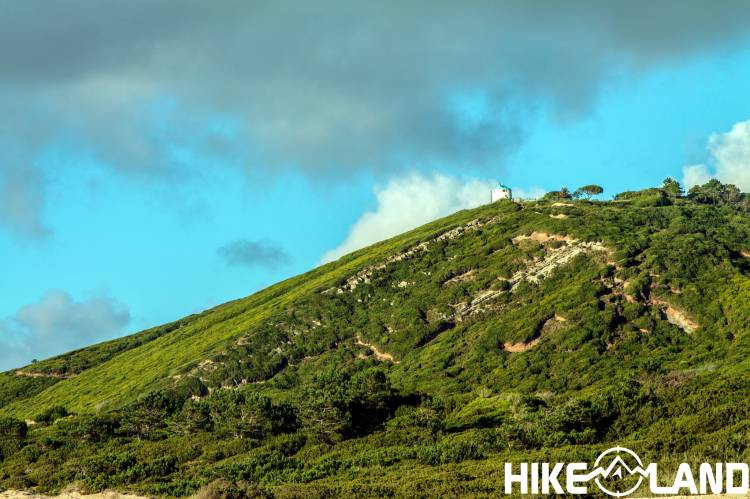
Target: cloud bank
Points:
x,y
327,87
21,202
728,159
57,323
410,201
245,253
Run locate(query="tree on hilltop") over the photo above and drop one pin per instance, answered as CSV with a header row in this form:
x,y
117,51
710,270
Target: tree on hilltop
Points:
x,y
672,188
714,192
588,191
563,193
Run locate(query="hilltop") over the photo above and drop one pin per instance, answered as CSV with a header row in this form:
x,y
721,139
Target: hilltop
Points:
x,y
549,329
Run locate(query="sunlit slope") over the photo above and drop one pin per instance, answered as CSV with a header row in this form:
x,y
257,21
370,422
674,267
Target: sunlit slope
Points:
x,y
551,329
569,265
153,365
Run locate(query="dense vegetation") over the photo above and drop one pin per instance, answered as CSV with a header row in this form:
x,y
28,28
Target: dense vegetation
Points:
x,y
516,331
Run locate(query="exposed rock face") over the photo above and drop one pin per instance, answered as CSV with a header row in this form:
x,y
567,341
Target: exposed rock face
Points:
x,y
677,317
536,271
466,276
365,275
556,257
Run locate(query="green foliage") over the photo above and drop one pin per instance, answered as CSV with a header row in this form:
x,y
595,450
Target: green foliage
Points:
x,y
672,188
51,414
646,198
12,429
77,361
439,364
716,193
336,405
15,388
588,191
12,436
563,193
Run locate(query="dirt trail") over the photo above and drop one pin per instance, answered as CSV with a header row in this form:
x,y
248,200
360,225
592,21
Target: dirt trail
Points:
x,y
36,374
381,356
17,494
553,324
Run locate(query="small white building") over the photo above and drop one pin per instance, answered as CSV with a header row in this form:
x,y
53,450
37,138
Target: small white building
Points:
x,y
501,192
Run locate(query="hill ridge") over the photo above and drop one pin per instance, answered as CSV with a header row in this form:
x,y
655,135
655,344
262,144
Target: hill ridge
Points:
x,y
502,333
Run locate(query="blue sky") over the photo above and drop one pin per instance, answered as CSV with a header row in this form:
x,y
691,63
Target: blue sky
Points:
x,y
122,216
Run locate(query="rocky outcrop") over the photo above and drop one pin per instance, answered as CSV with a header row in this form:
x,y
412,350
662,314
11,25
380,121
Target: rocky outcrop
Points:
x,y
556,257
365,275
536,271
677,317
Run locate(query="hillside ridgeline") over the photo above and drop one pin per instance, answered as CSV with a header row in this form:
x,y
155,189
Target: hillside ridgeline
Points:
x,y
544,330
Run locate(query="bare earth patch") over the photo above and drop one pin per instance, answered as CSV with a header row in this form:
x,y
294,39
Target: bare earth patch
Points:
x,y
543,237
521,347
15,494
381,356
551,326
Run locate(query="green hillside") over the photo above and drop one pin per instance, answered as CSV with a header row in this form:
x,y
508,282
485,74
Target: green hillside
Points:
x,y
542,330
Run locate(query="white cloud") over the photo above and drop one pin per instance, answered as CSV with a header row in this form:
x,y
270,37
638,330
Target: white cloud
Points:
x,y
533,193
412,200
728,161
695,175
57,323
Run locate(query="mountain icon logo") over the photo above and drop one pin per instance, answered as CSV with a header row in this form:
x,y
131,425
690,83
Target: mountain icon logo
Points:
x,y
618,472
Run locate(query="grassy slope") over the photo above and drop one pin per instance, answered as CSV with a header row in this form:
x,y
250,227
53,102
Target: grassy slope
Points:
x,y
121,379
616,372
27,381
